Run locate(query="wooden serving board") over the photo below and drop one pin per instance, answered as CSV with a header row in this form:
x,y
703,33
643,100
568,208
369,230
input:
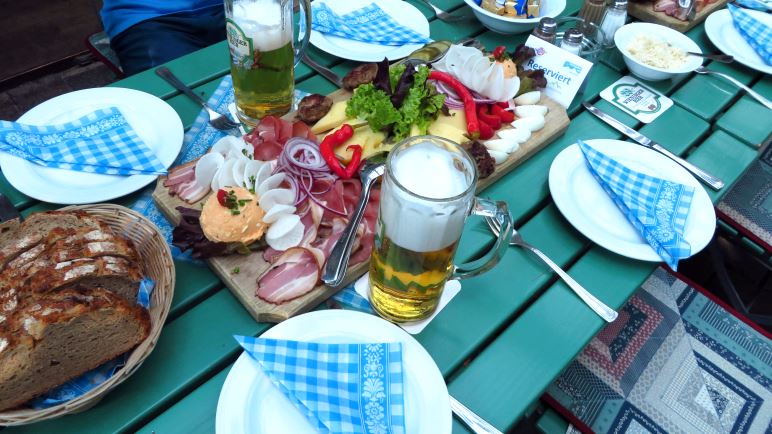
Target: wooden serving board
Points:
x,y
644,11
244,283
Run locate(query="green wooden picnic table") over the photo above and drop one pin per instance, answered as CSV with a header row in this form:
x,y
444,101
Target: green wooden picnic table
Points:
x,y
511,331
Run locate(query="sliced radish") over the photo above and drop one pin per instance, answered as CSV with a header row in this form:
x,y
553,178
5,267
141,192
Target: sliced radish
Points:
x,y
280,196
506,146
238,170
277,211
530,111
250,173
225,175
226,144
262,174
521,135
207,167
271,183
499,157
531,124
289,239
528,98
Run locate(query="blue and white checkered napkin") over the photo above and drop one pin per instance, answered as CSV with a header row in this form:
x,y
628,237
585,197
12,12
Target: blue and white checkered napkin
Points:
x,y
340,388
656,207
368,24
100,142
93,378
757,34
759,5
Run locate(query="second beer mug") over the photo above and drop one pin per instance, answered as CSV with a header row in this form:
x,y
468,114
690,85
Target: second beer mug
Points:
x,y
426,195
263,57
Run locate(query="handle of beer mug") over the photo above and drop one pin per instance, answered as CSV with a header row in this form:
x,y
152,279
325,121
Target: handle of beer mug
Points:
x,y
305,6
499,211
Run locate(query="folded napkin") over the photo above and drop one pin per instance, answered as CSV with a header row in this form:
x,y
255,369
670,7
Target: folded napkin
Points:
x,y
368,24
757,34
340,388
656,207
100,142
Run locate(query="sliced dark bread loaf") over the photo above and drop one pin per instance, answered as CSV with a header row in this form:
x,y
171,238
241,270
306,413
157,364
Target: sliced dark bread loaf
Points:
x,y
37,228
55,337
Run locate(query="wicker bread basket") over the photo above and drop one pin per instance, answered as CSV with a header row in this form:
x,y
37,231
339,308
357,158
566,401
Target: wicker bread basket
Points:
x,y
157,264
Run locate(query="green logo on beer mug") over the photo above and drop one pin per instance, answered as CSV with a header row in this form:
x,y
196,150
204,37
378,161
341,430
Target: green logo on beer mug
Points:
x,y
242,53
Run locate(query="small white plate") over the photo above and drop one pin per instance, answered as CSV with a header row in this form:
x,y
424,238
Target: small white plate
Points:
x,y
250,403
592,212
721,31
402,12
154,121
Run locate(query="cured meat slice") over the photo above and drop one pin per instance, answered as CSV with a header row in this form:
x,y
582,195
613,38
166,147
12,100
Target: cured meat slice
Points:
x,y
294,273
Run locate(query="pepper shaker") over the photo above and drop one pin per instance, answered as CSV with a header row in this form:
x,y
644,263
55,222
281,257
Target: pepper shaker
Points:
x,y
592,13
546,30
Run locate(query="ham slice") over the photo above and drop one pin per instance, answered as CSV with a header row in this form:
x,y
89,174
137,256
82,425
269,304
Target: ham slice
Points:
x,y
367,229
271,133
294,273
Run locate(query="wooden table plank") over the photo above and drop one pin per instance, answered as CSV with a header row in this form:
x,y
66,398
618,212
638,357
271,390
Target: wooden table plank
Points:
x,y
723,156
706,96
677,129
599,78
752,129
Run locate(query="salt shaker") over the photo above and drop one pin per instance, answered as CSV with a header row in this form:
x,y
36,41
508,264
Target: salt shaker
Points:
x,y
572,41
615,17
546,30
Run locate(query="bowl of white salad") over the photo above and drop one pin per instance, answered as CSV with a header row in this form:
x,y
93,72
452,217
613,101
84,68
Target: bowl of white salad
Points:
x,y
655,52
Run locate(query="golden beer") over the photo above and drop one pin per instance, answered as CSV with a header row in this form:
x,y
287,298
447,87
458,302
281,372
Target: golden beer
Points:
x,y
265,87
407,284
263,57
427,193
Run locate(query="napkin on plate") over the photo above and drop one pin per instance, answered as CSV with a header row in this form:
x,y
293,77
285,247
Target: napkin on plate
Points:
x,y
757,34
656,207
100,142
369,24
340,388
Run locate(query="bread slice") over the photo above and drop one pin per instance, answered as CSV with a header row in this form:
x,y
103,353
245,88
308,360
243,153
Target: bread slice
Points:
x,y
118,275
37,228
57,336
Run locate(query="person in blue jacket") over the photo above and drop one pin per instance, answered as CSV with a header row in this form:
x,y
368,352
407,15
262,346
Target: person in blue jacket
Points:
x,y
146,33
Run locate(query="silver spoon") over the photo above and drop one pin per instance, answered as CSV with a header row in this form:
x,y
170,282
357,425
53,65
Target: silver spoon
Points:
x,y
337,263
755,95
723,58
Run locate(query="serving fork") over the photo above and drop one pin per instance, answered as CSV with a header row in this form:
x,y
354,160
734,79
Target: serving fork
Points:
x,y
605,312
216,120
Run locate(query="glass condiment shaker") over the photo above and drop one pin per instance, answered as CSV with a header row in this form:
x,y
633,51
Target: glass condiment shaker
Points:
x,y
546,30
592,13
615,17
572,41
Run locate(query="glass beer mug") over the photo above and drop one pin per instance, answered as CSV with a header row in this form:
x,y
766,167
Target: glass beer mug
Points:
x,y
427,193
263,57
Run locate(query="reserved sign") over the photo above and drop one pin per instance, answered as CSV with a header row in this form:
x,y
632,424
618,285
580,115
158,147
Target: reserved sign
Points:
x,y
565,72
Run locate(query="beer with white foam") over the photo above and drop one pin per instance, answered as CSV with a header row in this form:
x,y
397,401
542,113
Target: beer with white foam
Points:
x,y
426,195
259,34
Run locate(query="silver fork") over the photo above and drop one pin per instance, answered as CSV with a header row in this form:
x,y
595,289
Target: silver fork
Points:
x,y
217,120
596,305
477,424
446,16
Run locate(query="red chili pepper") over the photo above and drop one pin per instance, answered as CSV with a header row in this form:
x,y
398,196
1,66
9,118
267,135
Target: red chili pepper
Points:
x,y
472,126
327,149
493,121
486,132
222,197
499,51
505,115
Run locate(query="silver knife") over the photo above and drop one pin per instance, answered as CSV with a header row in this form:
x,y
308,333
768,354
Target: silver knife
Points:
x,y
323,71
714,182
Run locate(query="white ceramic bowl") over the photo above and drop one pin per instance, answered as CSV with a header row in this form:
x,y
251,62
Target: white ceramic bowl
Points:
x,y
625,35
511,26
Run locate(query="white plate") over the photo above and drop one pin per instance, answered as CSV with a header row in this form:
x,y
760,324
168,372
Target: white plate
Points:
x,y
588,207
720,29
402,12
154,121
250,403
